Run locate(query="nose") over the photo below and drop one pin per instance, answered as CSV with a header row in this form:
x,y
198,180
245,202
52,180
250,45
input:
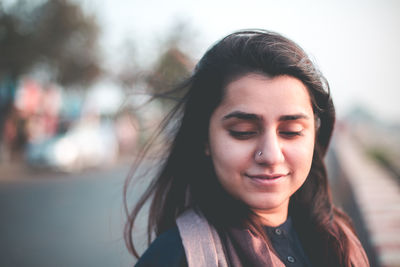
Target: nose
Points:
x,y
269,150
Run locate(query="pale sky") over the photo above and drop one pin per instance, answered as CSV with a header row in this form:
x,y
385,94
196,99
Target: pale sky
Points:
x,y
356,43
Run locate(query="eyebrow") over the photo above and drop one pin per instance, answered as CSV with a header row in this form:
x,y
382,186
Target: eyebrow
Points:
x,y
242,116
254,117
293,117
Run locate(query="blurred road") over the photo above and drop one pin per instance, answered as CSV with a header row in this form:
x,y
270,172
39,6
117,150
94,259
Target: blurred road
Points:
x,y
65,220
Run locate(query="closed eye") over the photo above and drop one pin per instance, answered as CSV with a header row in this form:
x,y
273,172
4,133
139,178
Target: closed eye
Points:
x,y
291,134
242,134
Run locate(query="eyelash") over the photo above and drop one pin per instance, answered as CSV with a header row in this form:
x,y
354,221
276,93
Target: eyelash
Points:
x,y
249,134
242,135
291,134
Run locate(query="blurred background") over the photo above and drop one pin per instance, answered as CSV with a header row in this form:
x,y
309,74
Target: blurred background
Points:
x,y
76,78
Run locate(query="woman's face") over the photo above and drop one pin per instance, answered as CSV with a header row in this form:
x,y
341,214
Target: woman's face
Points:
x,y
261,141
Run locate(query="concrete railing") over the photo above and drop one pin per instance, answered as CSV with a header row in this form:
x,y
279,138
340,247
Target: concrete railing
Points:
x,y
372,200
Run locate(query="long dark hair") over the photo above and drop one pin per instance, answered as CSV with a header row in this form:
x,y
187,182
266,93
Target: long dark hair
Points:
x,y
187,178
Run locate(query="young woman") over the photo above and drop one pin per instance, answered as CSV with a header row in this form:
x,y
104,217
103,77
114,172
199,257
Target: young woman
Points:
x,y
243,182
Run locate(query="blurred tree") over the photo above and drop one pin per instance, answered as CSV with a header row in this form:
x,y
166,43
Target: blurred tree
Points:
x,y
55,34
52,36
173,65
126,68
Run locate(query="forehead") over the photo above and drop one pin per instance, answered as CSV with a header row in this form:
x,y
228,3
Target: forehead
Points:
x,y
259,94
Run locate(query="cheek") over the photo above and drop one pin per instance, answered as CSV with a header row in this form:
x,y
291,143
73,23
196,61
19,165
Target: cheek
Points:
x,y
300,155
224,154
228,155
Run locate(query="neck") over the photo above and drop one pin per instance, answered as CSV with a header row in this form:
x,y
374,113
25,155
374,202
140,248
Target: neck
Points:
x,y
273,217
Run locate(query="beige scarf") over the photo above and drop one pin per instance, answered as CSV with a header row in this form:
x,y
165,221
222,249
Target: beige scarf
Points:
x,y
203,245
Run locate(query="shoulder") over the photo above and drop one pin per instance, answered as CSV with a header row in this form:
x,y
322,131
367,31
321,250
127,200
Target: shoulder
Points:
x,y
165,250
357,253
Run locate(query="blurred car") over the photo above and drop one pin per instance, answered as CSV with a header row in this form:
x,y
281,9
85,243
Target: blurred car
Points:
x,y
88,144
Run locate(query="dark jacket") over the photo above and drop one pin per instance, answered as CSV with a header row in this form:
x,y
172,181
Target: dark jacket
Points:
x,y
166,250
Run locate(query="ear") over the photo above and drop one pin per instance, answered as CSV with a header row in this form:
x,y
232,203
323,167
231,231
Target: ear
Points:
x,y
207,149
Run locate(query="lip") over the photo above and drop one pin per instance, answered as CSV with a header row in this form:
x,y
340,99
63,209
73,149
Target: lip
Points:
x,y
265,181
266,176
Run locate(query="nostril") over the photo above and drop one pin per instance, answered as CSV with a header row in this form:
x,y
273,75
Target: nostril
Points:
x,y
271,154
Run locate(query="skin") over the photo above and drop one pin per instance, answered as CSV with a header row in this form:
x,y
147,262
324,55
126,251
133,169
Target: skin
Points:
x,y
269,115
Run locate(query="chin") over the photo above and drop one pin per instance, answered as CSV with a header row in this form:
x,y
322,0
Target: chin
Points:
x,y
267,204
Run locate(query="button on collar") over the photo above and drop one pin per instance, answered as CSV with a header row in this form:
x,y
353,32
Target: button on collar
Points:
x,y
290,259
278,231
